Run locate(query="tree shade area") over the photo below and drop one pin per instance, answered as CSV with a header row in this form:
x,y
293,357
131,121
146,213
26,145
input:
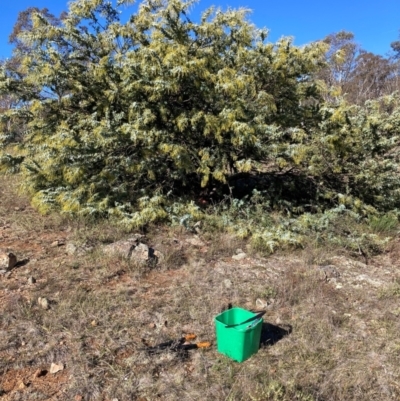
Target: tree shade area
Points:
x,y
165,119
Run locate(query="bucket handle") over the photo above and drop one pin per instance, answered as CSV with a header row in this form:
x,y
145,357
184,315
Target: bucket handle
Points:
x,y
255,317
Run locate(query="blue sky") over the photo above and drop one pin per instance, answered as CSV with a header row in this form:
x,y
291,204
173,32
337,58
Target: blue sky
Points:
x,y
375,23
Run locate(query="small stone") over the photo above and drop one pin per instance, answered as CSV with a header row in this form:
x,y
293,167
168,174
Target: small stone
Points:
x,y
17,209
197,227
329,271
239,256
152,325
78,397
21,385
43,303
93,323
260,303
71,248
31,280
57,243
227,283
54,368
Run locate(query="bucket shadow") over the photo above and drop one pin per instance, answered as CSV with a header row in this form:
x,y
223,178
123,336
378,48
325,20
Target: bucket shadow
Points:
x,y
21,263
271,334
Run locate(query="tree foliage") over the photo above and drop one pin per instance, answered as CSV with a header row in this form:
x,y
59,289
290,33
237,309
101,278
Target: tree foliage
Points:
x,y
135,119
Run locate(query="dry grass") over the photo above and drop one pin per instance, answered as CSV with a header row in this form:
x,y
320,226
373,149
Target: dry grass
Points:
x,y
325,338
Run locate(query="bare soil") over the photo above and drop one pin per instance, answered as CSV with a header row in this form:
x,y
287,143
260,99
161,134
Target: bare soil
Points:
x,y
331,331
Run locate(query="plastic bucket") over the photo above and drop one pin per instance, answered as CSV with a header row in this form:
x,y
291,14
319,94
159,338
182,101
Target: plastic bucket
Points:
x,y
238,337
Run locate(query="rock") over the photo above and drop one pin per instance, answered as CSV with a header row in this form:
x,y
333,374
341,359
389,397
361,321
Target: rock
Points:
x,y
43,303
21,385
152,325
54,368
197,227
31,280
239,256
123,248
261,303
140,252
195,241
136,237
227,283
71,248
328,272
7,260
78,397
134,250
57,243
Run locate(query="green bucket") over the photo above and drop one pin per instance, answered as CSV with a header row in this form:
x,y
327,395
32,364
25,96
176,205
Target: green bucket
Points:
x,y
238,333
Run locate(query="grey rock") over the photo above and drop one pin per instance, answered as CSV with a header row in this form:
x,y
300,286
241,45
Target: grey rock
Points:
x,y
140,252
123,248
239,256
261,303
56,367
227,283
31,280
329,271
134,250
71,248
43,303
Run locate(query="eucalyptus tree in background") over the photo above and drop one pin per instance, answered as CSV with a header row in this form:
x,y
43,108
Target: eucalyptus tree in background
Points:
x,y
354,73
